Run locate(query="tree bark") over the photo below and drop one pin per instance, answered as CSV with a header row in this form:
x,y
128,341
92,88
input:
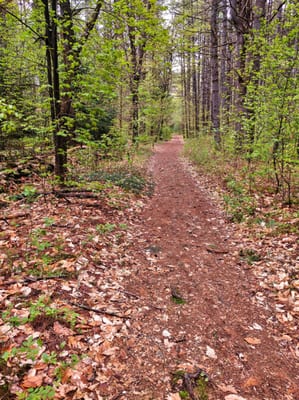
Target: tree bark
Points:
x,y
226,65
215,100
241,17
205,85
61,101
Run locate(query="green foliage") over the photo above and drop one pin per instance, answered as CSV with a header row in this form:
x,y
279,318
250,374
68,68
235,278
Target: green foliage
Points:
x,y
272,123
40,393
178,300
184,394
201,387
49,221
95,79
50,358
176,297
9,120
63,365
105,228
240,206
29,193
249,255
29,349
177,376
238,200
198,386
41,308
203,153
112,145
38,241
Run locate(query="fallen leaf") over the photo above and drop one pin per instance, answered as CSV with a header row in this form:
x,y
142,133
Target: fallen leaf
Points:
x,y
256,327
107,321
32,381
39,366
211,353
166,333
234,397
66,375
63,390
227,388
26,290
110,352
62,330
252,381
252,340
174,396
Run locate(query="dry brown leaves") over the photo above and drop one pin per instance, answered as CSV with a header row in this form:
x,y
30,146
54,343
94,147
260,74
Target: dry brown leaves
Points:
x,y
65,314
277,268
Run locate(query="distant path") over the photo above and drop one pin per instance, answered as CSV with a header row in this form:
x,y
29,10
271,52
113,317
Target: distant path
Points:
x,y
183,246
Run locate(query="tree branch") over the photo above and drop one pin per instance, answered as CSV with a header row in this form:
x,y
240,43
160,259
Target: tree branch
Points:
x,y
91,23
277,11
22,22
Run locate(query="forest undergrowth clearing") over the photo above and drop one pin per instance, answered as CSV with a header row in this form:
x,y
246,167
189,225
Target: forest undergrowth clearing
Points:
x,y
87,289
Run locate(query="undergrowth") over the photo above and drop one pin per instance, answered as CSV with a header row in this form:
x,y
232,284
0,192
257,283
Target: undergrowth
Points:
x,y
247,188
129,179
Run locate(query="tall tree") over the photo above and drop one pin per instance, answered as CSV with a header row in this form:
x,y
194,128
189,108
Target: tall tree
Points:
x,y
62,79
215,101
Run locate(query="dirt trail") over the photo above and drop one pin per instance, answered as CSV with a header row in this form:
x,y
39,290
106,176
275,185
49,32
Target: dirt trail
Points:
x,y
184,247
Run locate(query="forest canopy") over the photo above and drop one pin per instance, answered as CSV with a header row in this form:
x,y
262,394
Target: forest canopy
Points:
x,y
111,74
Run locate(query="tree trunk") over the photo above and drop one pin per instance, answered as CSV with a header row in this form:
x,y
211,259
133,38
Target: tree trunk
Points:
x,y
51,38
215,100
205,86
61,103
226,65
241,16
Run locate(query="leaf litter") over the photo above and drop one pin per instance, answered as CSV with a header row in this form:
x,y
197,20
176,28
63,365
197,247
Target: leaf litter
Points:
x,y
86,287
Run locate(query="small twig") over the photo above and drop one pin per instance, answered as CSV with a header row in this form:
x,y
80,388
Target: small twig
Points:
x,y
45,278
99,311
180,340
61,226
34,279
176,296
12,216
118,395
130,294
79,195
190,379
157,308
216,251
189,386
198,373
64,198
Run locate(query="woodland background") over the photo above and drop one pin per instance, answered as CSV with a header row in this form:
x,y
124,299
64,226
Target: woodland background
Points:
x,y
87,88
108,75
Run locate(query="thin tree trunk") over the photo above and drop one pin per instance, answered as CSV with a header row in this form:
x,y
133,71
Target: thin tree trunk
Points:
x,y
206,86
60,145
215,100
226,66
241,15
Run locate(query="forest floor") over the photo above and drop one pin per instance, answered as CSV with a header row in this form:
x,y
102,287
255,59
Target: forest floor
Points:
x,y
145,298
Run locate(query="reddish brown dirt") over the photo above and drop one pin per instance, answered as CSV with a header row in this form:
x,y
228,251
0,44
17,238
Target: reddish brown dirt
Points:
x,y
122,260
183,244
